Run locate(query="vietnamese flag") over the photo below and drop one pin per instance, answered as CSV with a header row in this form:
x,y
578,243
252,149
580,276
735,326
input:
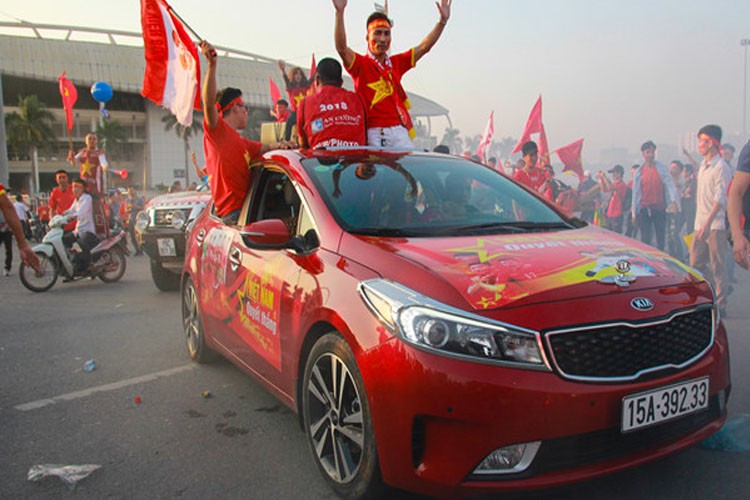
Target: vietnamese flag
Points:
x,y
275,93
69,96
571,157
533,125
172,66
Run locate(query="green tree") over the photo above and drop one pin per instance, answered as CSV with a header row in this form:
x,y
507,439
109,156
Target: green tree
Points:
x,y
452,139
111,134
185,133
29,130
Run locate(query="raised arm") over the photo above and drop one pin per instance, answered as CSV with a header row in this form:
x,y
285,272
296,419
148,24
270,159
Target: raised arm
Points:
x,y
444,8
339,34
210,113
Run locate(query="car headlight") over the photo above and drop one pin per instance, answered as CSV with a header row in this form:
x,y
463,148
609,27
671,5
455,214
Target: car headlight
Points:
x,y
178,219
141,221
428,324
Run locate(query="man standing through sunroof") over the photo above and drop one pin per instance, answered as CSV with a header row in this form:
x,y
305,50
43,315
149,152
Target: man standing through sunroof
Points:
x,y
377,76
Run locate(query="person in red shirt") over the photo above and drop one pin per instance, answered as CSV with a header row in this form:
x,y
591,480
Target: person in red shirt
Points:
x,y
42,211
529,175
228,154
280,111
377,76
93,169
616,209
332,116
61,198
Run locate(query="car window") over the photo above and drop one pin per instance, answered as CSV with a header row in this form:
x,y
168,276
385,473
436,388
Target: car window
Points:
x,y
425,195
277,198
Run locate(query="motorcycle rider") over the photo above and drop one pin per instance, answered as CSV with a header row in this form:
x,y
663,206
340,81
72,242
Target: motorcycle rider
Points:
x,y
85,230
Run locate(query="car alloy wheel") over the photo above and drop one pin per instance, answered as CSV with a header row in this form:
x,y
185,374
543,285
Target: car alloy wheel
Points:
x,y
337,419
192,326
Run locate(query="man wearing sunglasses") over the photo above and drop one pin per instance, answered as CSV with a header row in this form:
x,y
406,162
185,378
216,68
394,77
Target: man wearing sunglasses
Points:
x,y
228,154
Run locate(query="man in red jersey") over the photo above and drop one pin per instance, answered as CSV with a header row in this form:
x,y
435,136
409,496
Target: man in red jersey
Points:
x,y
228,154
93,167
529,175
377,76
332,116
61,198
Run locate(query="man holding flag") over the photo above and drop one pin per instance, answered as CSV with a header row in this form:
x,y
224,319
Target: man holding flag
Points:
x,y
228,154
377,76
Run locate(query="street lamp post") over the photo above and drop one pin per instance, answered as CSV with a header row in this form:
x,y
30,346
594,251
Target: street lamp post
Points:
x,y
744,42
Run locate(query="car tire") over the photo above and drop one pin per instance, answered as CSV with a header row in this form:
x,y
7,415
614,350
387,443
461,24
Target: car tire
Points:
x,y
337,420
193,326
165,280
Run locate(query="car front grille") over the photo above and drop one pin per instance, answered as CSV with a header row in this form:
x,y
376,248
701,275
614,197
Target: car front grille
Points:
x,y
163,216
621,352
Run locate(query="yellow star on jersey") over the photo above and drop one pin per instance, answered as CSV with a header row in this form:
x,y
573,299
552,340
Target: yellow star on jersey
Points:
x,y
382,90
298,98
88,169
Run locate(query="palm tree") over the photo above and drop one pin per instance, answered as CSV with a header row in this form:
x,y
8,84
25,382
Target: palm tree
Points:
x,y
111,133
29,130
452,139
170,122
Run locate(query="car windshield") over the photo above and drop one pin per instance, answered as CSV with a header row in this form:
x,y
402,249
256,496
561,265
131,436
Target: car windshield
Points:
x,y
426,195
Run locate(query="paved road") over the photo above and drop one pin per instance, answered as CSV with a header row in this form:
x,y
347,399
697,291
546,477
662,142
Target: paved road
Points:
x,y
238,443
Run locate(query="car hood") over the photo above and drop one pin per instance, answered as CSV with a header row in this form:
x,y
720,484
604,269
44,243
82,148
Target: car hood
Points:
x,y
496,271
181,198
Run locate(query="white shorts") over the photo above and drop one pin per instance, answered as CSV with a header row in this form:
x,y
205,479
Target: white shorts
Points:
x,y
389,137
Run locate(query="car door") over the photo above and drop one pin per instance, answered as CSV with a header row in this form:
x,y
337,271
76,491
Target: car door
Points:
x,y
264,283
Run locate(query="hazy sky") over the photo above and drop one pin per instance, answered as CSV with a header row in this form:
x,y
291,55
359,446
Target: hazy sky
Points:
x,y
613,72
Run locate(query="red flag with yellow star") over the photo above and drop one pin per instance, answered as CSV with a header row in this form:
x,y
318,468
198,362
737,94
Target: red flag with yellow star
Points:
x,y
571,157
69,96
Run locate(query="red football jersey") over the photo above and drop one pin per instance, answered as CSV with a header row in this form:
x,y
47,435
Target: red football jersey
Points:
x,y
331,117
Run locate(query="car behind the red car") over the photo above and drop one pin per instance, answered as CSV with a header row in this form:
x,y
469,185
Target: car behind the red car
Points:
x,y
442,330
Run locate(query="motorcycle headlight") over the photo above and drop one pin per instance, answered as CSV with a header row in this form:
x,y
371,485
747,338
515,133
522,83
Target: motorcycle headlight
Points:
x,y
178,219
141,221
428,324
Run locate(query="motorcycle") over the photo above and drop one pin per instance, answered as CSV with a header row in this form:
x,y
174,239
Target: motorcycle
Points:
x,y
55,258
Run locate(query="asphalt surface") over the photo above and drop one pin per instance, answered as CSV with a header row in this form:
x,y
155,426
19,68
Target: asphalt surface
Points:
x,y
142,415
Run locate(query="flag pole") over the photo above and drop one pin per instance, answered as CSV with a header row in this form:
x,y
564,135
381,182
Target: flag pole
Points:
x,y
195,34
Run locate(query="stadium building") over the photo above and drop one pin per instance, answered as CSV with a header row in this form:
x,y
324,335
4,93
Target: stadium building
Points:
x,y
33,56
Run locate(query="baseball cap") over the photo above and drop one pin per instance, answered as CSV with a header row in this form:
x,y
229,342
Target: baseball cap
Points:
x,y
618,169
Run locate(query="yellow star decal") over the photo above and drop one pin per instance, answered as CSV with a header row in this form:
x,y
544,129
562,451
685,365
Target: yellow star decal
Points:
x,y
247,157
479,250
87,169
382,90
485,302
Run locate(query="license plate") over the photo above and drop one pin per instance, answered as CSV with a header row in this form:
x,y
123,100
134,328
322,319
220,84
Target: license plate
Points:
x,y
663,404
166,247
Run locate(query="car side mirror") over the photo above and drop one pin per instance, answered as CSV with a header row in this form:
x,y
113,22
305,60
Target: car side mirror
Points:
x,y
266,234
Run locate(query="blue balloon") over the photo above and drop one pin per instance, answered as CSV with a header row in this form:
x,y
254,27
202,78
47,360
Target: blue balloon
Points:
x,y
101,91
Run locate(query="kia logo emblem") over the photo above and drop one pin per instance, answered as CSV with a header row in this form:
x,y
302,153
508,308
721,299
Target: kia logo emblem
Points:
x,y
642,304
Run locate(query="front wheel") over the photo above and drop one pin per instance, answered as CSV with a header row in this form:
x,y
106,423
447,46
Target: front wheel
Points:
x,y
164,279
193,326
115,268
337,420
42,280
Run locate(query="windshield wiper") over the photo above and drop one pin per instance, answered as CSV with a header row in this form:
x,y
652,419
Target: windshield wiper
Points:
x,y
511,227
383,231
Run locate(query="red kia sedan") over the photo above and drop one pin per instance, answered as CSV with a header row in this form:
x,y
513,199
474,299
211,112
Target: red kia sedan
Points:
x,y
440,329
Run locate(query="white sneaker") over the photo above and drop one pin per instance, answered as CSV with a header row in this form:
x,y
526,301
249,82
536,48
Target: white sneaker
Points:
x,y
6,272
